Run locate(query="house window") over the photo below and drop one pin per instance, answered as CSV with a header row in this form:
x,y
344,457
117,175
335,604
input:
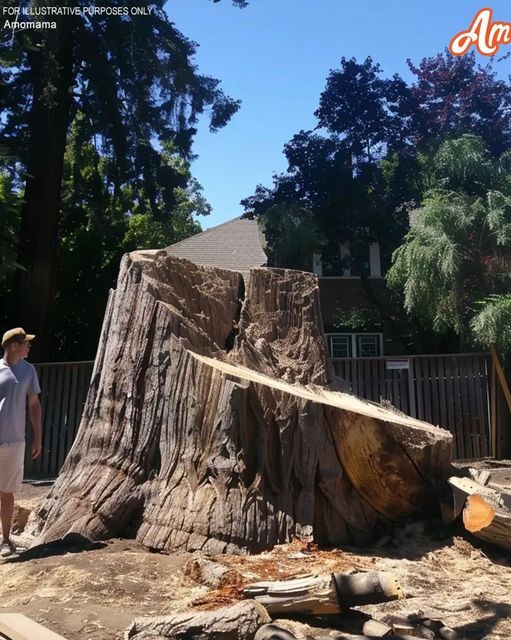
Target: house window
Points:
x,y
340,346
368,346
355,345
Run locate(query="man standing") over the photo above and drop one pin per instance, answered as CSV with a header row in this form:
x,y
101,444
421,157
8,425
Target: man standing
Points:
x,y
18,385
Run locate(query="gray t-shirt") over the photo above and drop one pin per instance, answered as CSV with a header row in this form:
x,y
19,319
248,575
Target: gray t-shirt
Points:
x,y
17,381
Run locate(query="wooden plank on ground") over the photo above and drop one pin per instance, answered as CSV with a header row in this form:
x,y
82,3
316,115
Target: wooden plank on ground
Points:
x,y
16,626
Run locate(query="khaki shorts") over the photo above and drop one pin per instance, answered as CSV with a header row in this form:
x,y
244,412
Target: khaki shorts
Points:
x,y
12,457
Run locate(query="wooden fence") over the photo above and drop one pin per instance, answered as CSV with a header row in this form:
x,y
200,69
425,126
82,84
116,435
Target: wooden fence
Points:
x,y
456,391
64,387
452,391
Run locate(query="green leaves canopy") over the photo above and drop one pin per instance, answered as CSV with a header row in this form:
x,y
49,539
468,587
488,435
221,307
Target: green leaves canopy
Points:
x,y
131,86
457,255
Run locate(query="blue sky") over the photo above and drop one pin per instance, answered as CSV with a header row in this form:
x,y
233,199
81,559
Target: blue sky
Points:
x,y
275,56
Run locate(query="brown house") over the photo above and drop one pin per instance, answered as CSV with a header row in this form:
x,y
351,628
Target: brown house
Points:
x,y
237,245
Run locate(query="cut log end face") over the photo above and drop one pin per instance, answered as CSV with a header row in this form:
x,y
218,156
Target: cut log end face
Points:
x,y
478,514
193,454
484,511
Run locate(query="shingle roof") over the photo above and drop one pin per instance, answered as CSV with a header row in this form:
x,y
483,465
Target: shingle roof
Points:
x,y
236,245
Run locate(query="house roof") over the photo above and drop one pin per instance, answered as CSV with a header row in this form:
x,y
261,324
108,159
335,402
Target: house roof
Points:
x,y
236,245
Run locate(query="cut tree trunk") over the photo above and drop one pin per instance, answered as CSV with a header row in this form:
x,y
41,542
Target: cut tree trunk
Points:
x,y
209,423
484,511
237,622
324,595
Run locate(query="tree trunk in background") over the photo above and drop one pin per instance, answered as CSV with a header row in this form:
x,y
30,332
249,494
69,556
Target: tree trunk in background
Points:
x,y
49,121
209,423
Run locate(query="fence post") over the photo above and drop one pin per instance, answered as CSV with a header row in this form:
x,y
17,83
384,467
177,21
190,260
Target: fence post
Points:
x,y
502,376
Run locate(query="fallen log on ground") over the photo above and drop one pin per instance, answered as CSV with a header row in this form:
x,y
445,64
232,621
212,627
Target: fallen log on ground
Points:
x,y
483,510
209,422
211,574
237,622
324,595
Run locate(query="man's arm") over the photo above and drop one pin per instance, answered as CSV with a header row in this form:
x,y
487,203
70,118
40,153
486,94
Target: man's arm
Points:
x,y
34,409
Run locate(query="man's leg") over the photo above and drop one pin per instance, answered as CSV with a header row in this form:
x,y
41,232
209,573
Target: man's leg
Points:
x,y
6,511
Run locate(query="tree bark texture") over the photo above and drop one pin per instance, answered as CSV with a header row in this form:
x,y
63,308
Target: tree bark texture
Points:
x,y
237,622
210,424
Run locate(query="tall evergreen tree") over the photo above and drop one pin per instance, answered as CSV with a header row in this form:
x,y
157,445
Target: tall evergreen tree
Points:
x,y
454,265
99,225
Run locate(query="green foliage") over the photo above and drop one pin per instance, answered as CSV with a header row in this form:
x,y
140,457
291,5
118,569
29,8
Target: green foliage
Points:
x,y
428,267
10,205
98,224
356,319
355,104
492,324
458,249
371,158
113,101
464,165
291,235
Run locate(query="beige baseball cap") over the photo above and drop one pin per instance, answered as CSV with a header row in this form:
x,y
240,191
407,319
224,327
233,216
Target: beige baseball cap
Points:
x,y
16,335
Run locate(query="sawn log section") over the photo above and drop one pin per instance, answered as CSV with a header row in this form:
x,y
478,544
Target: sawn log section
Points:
x,y
212,422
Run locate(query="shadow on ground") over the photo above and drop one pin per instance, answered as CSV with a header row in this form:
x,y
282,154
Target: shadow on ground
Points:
x,y
71,543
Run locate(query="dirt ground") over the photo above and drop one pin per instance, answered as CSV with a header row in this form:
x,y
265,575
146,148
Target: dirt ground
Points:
x,y
95,594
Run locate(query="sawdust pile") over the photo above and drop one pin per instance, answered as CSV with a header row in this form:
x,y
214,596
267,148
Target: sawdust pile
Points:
x,y
95,594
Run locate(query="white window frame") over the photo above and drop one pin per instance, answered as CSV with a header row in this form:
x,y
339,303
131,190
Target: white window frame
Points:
x,y
353,337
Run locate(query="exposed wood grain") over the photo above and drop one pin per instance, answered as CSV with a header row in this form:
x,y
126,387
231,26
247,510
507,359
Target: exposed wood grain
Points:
x,y
318,595
483,512
237,622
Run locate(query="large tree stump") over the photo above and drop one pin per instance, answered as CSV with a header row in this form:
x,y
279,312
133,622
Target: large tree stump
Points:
x,y
209,423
